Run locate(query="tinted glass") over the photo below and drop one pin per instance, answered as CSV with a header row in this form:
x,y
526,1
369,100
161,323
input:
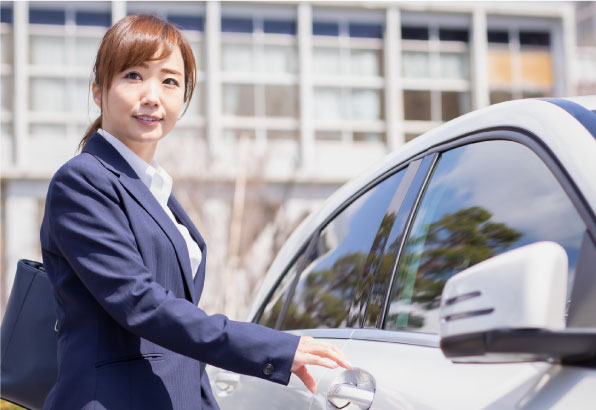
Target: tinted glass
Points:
x,y
483,199
276,301
326,287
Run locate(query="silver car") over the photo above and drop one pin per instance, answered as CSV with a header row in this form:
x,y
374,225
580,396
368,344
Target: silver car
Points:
x,y
459,273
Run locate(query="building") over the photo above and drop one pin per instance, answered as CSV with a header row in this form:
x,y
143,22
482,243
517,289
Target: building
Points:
x,y
293,99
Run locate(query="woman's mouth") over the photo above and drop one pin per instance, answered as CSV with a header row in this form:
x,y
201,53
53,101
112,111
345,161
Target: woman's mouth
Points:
x,y
148,119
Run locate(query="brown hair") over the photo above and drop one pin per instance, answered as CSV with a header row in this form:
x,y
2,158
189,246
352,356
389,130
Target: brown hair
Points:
x,y
132,41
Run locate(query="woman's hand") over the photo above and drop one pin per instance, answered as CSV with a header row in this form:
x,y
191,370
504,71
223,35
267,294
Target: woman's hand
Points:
x,y
311,351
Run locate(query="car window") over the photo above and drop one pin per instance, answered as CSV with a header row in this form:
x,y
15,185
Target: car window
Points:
x,y
482,199
325,288
274,305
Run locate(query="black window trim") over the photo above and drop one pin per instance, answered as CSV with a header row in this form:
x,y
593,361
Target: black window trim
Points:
x,y
515,134
310,242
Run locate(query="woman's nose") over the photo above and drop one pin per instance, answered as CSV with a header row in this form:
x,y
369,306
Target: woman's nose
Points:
x,y
150,96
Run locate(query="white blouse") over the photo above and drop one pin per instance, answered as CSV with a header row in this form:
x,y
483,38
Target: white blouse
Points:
x,y
160,184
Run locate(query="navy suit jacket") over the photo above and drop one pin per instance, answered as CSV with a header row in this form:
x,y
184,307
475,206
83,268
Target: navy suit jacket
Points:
x,y
130,334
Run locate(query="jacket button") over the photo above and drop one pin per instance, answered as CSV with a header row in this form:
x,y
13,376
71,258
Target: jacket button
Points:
x,y
268,369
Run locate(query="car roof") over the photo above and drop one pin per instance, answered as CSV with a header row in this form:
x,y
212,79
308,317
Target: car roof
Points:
x,y
547,119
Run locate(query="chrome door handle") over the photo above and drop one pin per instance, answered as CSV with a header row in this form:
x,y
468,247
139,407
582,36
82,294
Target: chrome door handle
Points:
x,y
226,382
341,395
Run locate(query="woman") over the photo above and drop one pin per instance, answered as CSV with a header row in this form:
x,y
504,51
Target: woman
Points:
x,y
126,263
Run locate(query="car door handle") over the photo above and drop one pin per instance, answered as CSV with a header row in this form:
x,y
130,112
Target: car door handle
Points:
x,y
341,395
226,381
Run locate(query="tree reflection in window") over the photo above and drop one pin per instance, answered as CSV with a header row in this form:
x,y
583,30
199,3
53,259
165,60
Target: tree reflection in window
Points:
x,y
326,286
482,199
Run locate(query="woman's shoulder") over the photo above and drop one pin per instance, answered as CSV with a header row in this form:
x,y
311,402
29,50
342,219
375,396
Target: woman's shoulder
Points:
x,y
84,169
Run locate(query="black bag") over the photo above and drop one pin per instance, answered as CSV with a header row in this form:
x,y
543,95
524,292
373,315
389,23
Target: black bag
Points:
x,y
29,364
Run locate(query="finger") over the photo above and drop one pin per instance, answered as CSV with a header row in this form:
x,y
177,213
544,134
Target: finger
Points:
x,y
307,379
330,351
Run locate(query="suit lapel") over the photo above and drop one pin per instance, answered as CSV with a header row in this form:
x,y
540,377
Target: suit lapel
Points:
x,y
182,216
110,157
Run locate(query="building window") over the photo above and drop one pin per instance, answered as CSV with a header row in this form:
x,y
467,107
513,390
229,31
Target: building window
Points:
x,y
347,68
259,60
435,70
520,64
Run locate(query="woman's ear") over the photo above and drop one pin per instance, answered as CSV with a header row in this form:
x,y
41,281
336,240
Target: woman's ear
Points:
x,y
96,90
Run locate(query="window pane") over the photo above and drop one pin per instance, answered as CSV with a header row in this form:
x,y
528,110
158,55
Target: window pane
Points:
x,y
47,130
237,58
47,50
47,95
417,105
366,30
197,50
365,62
238,100
414,33
500,96
368,137
6,87
415,64
536,67
275,303
281,101
480,202
454,65
499,67
83,101
325,289
325,29
534,38
279,27
328,104
366,105
449,34
86,51
498,36
454,104
85,18
328,135
6,48
279,59
326,61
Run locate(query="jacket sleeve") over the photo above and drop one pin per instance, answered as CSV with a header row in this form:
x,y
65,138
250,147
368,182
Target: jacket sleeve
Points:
x,y
92,232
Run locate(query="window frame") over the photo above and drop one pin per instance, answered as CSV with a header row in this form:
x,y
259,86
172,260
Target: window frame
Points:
x,y
310,242
548,157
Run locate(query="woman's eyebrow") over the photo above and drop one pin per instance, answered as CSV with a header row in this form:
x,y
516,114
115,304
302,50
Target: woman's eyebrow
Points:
x,y
171,71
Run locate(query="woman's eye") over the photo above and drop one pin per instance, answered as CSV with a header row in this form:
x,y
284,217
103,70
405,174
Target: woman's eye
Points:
x,y
133,76
171,81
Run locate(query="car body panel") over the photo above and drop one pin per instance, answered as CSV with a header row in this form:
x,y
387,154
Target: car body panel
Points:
x,y
409,369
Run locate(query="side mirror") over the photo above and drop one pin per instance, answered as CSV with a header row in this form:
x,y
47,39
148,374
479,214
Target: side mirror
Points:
x,y
511,307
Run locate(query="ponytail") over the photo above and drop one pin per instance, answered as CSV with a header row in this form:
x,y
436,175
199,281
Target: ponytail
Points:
x,y
90,131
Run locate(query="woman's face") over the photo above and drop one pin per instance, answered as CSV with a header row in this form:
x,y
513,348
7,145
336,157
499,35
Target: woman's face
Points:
x,y
144,102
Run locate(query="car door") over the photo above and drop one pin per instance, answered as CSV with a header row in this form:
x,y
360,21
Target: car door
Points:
x,y
315,295
485,194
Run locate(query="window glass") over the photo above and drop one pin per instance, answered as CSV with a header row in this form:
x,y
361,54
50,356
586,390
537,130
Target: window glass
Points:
x,y
325,288
366,105
6,48
326,60
6,89
47,50
417,105
365,62
281,101
454,65
48,94
237,58
328,104
279,59
238,99
86,51
415,64
414,33
536,68
483,199
83,102
499,67
276,301
454,104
